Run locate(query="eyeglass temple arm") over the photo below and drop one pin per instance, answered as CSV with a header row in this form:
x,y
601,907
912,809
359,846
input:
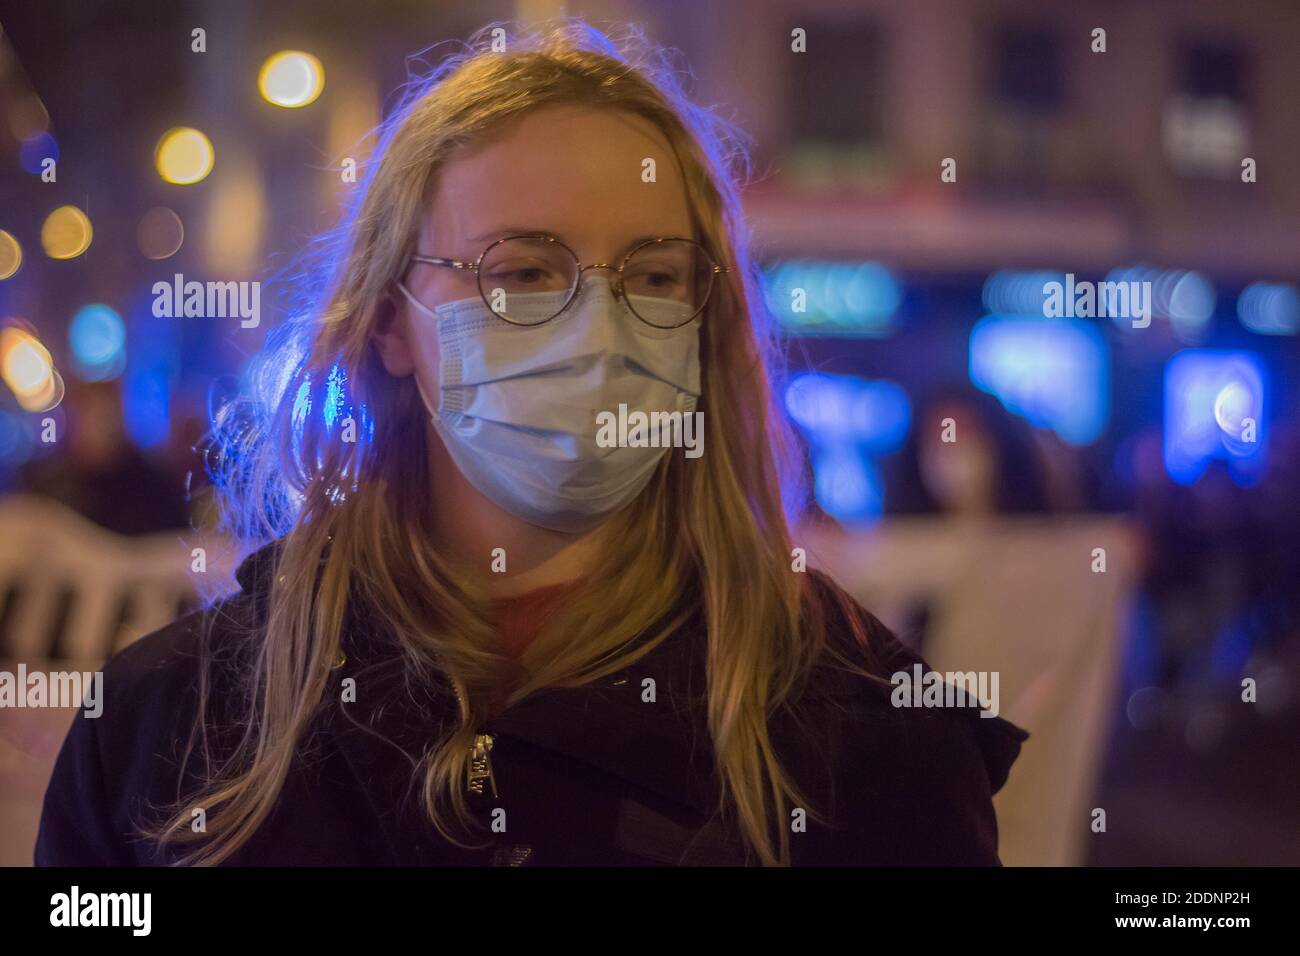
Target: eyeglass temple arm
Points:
x,y
438,261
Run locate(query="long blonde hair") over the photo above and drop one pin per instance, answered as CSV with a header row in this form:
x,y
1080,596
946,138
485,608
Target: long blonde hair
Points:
x,y
355,515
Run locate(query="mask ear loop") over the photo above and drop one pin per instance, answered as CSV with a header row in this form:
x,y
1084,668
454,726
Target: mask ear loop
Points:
x,y
416,302
419,386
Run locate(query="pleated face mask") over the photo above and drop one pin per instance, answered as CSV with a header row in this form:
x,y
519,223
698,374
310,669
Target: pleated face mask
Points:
x,y
517,404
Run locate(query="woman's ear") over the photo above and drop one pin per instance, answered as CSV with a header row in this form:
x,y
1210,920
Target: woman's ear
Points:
x,y
391,339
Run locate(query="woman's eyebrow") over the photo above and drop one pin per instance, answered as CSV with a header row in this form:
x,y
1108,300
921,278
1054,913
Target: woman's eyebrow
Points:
x,y
512,231
659,235
533,231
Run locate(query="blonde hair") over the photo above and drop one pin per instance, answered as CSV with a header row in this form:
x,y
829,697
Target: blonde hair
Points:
x,y
355,514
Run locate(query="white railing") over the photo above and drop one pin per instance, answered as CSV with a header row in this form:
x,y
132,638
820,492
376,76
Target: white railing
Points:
x,y
70,590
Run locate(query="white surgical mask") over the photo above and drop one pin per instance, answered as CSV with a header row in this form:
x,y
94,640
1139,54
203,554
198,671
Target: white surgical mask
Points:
x,y
517,404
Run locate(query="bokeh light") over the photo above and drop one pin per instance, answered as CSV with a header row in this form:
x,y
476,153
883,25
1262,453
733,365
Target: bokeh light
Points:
x,y
1185,299
97,337
66,233
1189,304
11,255
184,156
28,370
232,228
841,299
849,421
24,361
1054,373
1009,292
160,233
847,485
1270,309
16,444
291,79
874,415
35,149
1215,409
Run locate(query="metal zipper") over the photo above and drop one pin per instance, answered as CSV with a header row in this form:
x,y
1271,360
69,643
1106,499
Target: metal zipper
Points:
x,y
479,768
480,765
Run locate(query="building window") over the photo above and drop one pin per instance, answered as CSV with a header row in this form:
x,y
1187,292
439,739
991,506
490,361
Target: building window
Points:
x,y
1028,72
1024,108
837,118
1206,122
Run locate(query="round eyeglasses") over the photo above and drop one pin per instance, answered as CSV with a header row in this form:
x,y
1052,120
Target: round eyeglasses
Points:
x,y
664,282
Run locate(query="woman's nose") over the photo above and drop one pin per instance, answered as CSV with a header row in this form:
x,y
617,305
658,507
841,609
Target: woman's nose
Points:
x,y
614,283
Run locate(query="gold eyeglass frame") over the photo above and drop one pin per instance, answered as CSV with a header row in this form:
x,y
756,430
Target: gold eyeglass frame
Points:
x,y
714,271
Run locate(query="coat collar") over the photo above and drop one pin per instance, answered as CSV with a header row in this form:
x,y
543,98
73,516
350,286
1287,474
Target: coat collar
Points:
x,y
661,746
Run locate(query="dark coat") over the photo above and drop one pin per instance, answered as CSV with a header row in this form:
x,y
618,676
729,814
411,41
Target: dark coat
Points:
x,y
591,775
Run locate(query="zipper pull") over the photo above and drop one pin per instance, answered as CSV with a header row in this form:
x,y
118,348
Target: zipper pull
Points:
x,y
480,765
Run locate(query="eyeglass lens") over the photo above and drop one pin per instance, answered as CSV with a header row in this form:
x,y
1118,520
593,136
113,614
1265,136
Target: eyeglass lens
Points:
x,y
670,280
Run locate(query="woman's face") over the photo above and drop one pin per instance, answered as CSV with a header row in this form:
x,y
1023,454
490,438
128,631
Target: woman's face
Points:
x,y
961,475
573,172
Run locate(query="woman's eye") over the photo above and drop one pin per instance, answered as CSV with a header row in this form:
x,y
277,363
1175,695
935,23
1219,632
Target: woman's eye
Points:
x,y
653,279
523,275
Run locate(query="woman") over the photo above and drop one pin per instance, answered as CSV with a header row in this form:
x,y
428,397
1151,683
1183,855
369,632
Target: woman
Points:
x,y
484,634
994,469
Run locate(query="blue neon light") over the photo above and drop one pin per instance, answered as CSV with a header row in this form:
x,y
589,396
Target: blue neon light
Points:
x,y
1215,410
848,421
1055,373
836,299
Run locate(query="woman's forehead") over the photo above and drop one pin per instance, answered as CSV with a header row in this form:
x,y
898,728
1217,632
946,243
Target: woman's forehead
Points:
x,y
588,176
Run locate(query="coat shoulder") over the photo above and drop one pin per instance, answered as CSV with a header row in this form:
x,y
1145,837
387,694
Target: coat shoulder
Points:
x,y
116,771
158,672
855,634
926,773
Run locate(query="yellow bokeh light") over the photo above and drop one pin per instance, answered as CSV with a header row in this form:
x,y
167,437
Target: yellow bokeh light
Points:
x,y
66,233
236,214
25,364
46,397
49,397
11,255
184,156
291,79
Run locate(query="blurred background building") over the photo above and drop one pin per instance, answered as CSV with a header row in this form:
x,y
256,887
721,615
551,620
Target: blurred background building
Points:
x,y
920,172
